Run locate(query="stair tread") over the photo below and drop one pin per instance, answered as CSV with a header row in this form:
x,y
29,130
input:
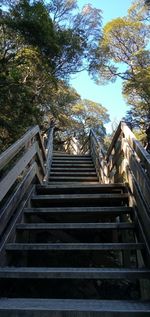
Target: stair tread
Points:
x,y
72,164
71,272
86,178
74,178
70,306
65,160
118,209
73,168
80,196
119,185
72,157
74,246
77,173
44,226
69,182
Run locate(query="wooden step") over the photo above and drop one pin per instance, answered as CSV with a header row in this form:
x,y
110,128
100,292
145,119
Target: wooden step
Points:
x,y
99,210
72,165
72,158
73,273
21,307
80,210
73,246
70,183
76,156
67,161
73,169
79,199
73,179
55,153
76,226
80,188
74,214
70,155
72,174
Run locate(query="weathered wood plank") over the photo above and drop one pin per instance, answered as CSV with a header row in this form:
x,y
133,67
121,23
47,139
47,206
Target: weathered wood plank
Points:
x,y
41,145
72,173
114,140
139,174
49,151
13,202
142,212
99,145
9,234
14,307
73,179
40,159
114,159
73,246
8,155
137,146
71,272
99,186
12,175
83,226
71,197
84,144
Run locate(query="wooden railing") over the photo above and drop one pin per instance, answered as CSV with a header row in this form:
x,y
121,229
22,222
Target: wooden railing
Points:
x,y
24,163
69,146
28,161
98,154
49,151
127,161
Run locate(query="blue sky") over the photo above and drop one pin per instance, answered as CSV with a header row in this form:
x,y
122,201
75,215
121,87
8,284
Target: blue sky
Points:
x,y
109,95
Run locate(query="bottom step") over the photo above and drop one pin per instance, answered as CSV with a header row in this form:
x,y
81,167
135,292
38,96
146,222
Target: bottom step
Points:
x,y
72,308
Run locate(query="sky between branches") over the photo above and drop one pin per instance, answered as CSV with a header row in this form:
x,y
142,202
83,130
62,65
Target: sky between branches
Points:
x,y
110,95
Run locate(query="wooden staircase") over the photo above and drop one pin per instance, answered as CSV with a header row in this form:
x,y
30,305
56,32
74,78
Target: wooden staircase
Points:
x,y
76,250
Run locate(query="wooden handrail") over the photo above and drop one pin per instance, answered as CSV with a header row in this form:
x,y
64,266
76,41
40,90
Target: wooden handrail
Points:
x,y
24,163
82,149
123,131
98,142
143,155
127,161
49,152
98,155
114,140
12,151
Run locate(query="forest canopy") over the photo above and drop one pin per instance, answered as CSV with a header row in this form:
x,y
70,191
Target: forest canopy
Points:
x,y
123,52
43,43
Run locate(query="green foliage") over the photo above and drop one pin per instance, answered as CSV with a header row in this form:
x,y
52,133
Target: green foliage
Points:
x,y
42,43
77,116
123,53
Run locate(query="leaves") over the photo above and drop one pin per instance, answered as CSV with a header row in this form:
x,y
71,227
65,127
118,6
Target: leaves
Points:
x,y
123,53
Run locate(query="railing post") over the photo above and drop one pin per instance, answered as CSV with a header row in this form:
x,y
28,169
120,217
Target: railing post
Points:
x,y
98,155
49,151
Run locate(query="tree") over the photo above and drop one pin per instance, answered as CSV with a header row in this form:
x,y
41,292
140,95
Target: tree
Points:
x,y
25,84
65,38
70,112
123,53
74,117
90,115
41,47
